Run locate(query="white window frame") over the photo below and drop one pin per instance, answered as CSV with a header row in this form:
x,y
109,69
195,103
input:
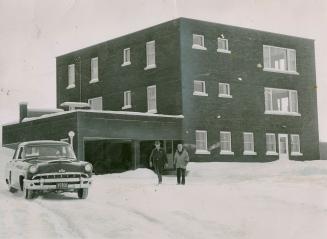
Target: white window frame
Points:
x,y
271,152
292,95
95,98
197,46
220,49
203,150
152,106
251,142
127,100
126,57
295,153
71,76
267,60
150,62
94,70
200,93
226,151
223,95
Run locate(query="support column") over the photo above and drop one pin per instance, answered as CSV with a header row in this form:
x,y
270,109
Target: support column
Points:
x,y
80,148
136,154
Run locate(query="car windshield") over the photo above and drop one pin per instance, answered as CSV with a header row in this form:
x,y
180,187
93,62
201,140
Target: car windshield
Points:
x,y
49,151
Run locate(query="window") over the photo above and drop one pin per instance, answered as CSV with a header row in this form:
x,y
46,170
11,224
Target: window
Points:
x,y
281,101
71,76
271,144
150,55
279,59
223,45
224,90
200,88
198,42
95,103
295,145
225,142
94,70
248,143
127,100
201,142
152,99
126,57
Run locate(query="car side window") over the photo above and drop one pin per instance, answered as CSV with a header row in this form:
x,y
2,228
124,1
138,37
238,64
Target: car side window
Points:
x,y
15,154
20,154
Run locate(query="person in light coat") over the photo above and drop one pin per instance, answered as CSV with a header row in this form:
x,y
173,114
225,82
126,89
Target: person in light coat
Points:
x,y
181,160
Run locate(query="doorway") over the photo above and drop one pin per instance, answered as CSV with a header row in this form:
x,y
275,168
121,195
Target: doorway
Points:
x,y
283,146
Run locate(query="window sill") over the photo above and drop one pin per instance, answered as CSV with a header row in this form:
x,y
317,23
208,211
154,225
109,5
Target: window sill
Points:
x,y
126,63
201,151
70,86
200,93
280,71
249,153
296,154
282,113
152,111
226,153
225,96
150,67
272,153
224,51
93,81
198,47
126,107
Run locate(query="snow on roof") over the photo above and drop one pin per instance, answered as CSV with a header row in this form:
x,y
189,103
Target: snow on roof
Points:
x,y
42,142
45,110
75,104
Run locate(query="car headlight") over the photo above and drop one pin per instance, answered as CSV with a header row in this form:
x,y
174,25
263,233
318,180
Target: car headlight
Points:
x,y
32,169
88,167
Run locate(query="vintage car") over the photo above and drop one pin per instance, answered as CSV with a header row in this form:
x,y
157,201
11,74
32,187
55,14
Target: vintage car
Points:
x,y
44,166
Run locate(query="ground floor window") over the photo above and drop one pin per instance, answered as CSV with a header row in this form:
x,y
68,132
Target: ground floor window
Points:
x,y
248,143
127,100
201,142
152,99
225,142
295,144
270,144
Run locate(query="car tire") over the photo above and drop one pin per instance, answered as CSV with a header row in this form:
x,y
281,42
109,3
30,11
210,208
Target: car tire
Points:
x,y
82,193
28,193
10,188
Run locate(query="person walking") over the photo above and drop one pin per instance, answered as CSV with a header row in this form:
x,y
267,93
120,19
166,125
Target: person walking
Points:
x,y
181,160
158,159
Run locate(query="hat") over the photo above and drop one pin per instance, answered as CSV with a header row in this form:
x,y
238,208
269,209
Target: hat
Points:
x,y
157,142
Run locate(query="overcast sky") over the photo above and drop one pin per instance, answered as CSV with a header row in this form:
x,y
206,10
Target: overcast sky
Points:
x,y
34,32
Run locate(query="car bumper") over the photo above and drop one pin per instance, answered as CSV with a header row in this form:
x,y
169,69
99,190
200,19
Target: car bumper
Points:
x,y
52,184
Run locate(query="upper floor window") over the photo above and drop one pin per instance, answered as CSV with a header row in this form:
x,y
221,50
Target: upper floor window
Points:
x,y
224,90
279,59
71,76
94,70
295,145
95,103
127,100
150,55
200,88
198,42
152,99
223,45
281,101
248,143
201,142
225,142
126,57
271,144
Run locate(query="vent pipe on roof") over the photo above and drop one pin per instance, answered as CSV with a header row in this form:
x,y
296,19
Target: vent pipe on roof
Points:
x,y
22,111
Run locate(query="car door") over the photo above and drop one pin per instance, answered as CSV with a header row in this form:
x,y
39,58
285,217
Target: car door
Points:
x,y
16,167
9,165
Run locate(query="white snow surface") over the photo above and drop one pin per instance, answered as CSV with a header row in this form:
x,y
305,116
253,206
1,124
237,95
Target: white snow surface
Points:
x,y
220,200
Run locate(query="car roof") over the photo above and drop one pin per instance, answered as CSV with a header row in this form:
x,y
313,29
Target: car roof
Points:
x,y
42,142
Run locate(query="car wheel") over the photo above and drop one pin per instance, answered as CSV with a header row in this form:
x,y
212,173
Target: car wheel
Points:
x,y
82,193
28,194
10,188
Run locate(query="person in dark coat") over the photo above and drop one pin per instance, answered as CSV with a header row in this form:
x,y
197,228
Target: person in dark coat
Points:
x,y
181,160
158,159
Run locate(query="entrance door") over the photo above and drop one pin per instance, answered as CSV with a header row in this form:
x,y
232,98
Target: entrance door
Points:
x,y
283,146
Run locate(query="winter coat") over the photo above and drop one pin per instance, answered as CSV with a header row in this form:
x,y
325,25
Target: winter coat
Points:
x,y
181,159
158,157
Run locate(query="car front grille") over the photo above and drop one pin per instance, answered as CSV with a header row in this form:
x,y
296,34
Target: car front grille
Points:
x,y
60,175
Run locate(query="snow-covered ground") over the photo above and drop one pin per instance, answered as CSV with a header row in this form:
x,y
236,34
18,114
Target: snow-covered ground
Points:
x,y
221,200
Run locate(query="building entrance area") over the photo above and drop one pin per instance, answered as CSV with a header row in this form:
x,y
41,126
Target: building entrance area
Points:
x,y
283,146
109,156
